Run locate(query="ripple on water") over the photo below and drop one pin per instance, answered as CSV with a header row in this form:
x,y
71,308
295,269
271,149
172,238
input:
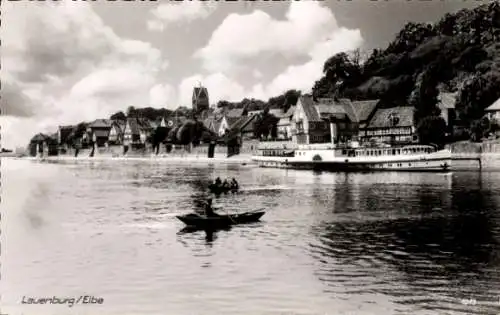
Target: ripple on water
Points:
x,y
328,244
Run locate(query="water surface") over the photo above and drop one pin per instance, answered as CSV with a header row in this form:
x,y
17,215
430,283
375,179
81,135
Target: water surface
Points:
x,y
381,243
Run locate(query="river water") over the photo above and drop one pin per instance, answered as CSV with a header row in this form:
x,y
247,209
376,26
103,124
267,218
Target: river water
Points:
x,y
374,243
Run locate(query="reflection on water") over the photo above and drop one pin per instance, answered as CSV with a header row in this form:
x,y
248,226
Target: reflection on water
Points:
x,y
384,243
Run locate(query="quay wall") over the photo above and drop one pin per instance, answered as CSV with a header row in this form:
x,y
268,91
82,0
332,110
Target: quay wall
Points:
x,y
472,156
248,148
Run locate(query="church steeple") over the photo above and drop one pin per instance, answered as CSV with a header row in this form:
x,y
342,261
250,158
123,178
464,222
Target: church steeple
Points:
x,y
200,99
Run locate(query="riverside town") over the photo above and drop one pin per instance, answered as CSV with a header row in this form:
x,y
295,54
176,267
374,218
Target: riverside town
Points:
x,y
429,101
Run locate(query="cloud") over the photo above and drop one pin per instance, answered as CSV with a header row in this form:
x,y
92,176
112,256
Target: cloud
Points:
x,y
66,65
162,96
14,101
242,36
309,30
187,11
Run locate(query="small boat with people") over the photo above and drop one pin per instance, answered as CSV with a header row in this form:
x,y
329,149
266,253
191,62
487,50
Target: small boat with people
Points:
x,y
198,220
218,187
210,219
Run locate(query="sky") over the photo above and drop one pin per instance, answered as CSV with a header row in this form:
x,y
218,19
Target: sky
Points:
x,y
64,62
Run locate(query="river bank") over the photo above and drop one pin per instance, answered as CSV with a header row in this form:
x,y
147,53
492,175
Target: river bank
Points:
x,y
466,155
473,156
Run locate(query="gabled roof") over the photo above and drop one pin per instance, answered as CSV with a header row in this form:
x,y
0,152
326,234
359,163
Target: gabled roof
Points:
x,y
356,111
289,112
308,106
447,100
494,107
100,123
235,112
382,117
216,124
364,109
241,123
230,121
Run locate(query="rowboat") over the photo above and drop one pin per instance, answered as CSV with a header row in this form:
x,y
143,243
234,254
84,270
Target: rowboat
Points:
x,y
198,220
219,190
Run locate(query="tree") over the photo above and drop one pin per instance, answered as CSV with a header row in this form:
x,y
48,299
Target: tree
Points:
x,y
479,129
425,96
131,112
118,116
264,124
478,93
432,130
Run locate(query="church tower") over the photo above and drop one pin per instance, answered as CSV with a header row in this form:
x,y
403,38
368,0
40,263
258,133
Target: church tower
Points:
x,y
200,99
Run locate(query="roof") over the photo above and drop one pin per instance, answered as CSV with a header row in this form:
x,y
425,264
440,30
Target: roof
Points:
x,y
494,107
235,112
100,123
364,109
284,121
216,124
242,122
308,106
447,100
277,112
290,112
339,108
231,120
99,133
39,137
382,117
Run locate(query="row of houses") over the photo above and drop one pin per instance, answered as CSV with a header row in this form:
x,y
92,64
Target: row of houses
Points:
x,y
309,121
342,120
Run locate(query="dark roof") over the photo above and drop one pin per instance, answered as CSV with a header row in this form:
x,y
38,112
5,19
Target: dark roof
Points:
x,y
39,137
100,133
100,123
231,120
309,108
495,106
364,109
241,123
357,111
382,117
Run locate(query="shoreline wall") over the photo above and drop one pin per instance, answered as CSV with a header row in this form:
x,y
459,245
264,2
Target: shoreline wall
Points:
x,y
247,148
472,156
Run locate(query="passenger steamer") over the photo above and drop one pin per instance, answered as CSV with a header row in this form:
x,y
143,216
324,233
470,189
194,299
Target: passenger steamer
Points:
x,y
352,157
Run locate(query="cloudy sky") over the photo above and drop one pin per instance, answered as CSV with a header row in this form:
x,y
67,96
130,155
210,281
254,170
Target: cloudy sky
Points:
x,y
65,62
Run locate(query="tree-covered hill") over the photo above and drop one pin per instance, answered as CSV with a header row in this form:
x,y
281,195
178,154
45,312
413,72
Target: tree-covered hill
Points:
x,y
460,53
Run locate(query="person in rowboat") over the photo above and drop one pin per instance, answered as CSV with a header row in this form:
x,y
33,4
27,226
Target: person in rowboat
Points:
x,y
209,210
225,184
218,182
234,184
